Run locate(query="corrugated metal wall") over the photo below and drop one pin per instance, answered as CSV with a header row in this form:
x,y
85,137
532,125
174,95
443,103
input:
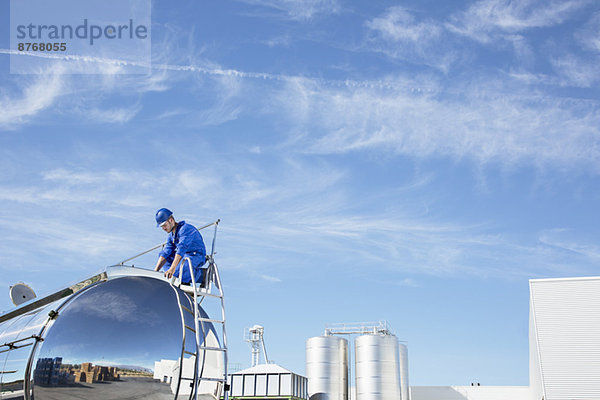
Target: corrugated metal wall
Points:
x,y
268,384
535,378
566,315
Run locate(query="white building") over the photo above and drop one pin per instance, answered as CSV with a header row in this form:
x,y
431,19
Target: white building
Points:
x,y
167,371
564,347
268,381
564,339
163,370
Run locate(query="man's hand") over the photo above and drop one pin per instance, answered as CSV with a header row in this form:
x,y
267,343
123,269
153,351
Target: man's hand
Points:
x,y
169,273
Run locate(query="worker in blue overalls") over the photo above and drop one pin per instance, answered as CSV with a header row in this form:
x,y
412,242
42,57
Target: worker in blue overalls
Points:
x,y
184,241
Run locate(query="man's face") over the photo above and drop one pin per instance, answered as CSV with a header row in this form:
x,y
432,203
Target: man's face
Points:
x,y
168,225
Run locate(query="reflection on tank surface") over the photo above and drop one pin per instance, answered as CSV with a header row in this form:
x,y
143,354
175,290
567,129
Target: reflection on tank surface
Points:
x,y
167,371
52,372
17,336
106,341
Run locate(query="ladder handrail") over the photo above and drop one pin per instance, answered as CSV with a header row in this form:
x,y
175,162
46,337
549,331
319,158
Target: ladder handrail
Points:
x,y
215,223
198,372
224,331
212,276
194,392
183,342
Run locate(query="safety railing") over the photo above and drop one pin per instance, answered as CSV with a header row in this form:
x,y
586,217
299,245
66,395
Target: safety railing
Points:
x,y
215,224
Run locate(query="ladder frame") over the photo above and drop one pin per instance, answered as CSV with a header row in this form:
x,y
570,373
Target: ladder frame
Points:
x,y
196,295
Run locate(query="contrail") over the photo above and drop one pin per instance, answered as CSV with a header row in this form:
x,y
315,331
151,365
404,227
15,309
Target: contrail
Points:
x,y
118,62
349,83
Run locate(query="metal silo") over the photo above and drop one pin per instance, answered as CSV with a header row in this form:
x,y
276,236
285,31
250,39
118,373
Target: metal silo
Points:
x,y
404,388
327,368
377,367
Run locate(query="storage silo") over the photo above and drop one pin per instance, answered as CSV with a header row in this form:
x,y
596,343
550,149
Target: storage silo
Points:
x,y
404,388
377,367
327,368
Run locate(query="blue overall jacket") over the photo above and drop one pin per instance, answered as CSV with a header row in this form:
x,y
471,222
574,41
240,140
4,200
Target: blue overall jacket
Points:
x,y
186,241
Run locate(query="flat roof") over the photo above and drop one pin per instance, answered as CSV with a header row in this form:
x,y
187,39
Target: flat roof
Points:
x,y
265,369
581,278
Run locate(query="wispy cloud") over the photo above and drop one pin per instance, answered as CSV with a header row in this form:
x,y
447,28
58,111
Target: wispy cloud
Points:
x,y
398,34
486,123
228,104
113,115
283,41
127,311
59,237
408,282
399,24
269,278
396,244
126,200
487,18
299,10
62,188
172,113
72,177
230,185
78,94
563,240
498,24
85,96
578,67
32,97
577,71
303,211
589,35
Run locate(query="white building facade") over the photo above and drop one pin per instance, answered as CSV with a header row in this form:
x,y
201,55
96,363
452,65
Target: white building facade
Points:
x,y
564,338
268,381
564,347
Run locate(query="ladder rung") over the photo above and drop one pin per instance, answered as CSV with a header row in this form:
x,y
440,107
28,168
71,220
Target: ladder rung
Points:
x,y
219,321
200,293
212,379
204,379
187,309
190,353
219,296
213,348
210,295
190,328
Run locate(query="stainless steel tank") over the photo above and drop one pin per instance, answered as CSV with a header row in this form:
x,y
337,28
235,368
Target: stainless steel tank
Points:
x,y
327,368
105,341
377,367
404,387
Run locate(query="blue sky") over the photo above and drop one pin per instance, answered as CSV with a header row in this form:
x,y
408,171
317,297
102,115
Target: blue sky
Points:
x,y
411,161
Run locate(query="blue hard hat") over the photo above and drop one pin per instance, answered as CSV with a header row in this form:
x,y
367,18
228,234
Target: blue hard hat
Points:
x,y
162,216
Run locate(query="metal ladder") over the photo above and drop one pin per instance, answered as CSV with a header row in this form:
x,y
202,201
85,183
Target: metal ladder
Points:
x,y
210,288
189,304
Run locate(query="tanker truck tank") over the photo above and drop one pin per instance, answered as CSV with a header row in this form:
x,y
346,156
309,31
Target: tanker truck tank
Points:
x,y
125,333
